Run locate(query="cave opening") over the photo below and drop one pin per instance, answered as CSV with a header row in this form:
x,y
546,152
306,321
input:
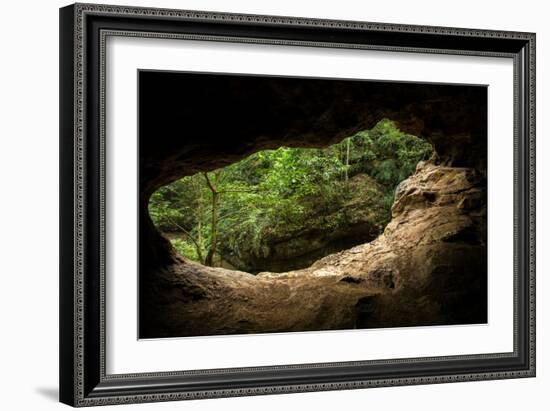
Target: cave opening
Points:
x,y
283,209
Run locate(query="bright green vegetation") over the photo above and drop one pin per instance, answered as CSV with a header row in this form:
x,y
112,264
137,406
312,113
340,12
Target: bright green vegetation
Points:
x,y
274,196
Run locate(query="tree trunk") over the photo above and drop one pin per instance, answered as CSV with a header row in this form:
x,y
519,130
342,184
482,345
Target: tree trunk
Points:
x,y
199,225
213,230
347,157
209,260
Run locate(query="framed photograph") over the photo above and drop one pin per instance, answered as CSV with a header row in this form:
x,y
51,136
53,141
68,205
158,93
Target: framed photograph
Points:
x,y
261,204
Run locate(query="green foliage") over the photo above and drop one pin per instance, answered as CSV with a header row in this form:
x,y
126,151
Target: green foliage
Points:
x,y
185,248
387,154
279,191
176,203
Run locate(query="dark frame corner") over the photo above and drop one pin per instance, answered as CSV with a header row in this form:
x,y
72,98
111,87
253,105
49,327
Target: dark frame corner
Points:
x,y
83,381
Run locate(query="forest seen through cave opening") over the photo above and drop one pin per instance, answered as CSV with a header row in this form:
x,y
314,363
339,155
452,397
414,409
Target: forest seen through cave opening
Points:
x,y
283,209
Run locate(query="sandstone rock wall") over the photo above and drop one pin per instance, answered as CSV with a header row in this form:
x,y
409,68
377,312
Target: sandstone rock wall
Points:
x,y
427,268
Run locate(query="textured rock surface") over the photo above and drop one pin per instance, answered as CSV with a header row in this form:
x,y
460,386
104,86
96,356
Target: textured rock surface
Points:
x,y
428,267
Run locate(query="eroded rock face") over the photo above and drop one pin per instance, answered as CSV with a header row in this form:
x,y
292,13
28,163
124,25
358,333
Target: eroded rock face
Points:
x,y
427,268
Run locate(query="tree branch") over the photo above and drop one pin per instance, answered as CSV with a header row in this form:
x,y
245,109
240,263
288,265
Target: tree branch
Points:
x,y
188,234
212,188
241,191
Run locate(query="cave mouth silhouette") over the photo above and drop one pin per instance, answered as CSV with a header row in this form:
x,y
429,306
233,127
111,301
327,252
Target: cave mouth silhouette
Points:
x,y
309,226
197,122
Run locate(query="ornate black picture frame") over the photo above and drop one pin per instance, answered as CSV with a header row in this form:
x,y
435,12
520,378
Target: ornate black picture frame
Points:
x,y
83,30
